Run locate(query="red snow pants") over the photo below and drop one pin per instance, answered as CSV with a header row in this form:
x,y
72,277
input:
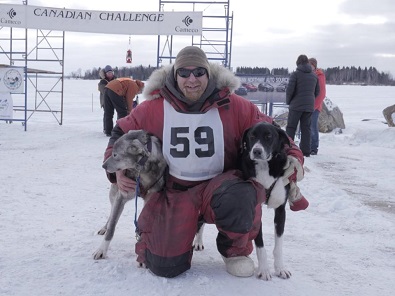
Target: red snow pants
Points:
x,y
168,222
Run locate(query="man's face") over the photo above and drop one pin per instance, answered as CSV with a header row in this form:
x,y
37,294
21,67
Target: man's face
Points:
x,y
192,84
110,74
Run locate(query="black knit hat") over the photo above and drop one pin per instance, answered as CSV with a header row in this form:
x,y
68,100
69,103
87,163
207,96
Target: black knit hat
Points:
x,y
107,68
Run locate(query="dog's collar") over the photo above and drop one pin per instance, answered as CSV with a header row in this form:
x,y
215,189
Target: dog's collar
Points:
x,y
144,159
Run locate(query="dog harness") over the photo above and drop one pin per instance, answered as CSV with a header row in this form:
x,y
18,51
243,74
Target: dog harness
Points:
x,y
269,191
144,159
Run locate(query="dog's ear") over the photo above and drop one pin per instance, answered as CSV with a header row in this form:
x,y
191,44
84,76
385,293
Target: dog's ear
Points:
x,y
133,134
143,137
137,148
244,142
283,137
140,135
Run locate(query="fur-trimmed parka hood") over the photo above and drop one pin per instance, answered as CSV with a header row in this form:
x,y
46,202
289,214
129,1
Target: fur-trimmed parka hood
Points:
x,y
102,74
222,76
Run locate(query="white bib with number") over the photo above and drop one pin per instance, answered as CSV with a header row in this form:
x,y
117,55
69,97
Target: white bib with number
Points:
x,y
193,144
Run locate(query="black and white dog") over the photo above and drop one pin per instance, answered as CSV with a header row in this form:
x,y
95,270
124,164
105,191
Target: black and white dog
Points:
x,y
263,159
140,154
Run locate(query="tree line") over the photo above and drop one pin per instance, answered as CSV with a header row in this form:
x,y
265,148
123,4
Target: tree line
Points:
x,y
336,75
139,72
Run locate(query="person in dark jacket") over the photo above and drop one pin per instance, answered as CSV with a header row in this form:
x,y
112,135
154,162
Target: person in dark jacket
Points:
x,y
192,108
301,92
106,74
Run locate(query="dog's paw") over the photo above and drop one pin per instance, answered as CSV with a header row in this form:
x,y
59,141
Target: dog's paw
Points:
x,y
102,231
141,265
264,275
99,254
284,274
198,243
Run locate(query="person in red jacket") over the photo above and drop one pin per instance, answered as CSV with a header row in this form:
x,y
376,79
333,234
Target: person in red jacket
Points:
x,y
192,108
315,135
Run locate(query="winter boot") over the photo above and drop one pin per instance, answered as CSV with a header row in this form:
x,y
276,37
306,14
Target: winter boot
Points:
x,y
241,266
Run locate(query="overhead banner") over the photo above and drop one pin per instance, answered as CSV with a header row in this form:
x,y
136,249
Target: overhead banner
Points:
x,y
11,80
108,22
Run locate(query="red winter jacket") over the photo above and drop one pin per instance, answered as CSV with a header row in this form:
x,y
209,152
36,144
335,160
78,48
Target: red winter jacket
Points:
x,y
322,82
236,113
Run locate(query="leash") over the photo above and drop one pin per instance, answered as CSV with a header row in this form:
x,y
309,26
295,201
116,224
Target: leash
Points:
x,y
140,164
137,231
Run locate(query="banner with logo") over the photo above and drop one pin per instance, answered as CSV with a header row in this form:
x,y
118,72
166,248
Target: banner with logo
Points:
x,y
11,80
6,105
111,22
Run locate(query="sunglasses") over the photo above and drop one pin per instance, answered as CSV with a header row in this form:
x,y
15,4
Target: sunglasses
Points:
x,y
197,72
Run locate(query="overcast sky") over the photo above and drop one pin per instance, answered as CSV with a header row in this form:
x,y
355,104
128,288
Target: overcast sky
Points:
x,y
265,34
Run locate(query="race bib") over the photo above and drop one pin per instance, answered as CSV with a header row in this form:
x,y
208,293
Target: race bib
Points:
x,y
193,144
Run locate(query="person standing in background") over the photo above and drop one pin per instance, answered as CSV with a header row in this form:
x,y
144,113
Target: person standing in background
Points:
x,y
119,94
106,74
315,136
301,92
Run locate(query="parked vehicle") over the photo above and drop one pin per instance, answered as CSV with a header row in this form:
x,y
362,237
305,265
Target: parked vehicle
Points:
x,y
282,87
250,87
267,87
241,91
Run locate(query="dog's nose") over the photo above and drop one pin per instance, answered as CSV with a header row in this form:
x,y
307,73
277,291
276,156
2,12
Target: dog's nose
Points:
x,y
257,152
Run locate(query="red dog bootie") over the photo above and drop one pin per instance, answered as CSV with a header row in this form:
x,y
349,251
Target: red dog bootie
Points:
x,y
297,201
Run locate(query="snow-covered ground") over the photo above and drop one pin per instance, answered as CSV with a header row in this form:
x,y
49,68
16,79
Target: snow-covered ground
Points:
x,y
53,195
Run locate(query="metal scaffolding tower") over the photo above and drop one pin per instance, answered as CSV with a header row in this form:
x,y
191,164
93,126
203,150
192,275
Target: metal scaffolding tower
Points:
x,y
216,38
41,54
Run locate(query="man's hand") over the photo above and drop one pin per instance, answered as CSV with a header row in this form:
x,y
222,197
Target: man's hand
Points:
x,y
293,170
124,183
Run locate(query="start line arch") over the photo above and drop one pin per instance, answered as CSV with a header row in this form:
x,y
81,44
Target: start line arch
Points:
x,y
45,59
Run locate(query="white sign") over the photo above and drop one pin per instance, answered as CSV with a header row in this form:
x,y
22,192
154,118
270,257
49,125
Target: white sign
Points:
x,y
111,22
11,80
5,105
